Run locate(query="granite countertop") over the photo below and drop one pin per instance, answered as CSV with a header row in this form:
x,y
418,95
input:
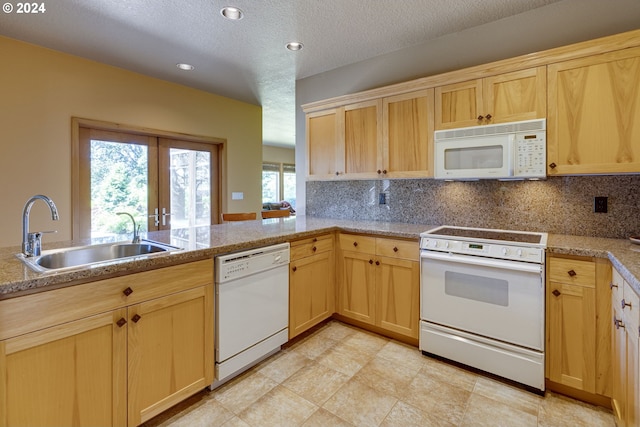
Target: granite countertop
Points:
x,y
16,279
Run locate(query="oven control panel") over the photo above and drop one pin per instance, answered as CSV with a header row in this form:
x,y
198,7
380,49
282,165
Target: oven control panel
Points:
x,y
490,250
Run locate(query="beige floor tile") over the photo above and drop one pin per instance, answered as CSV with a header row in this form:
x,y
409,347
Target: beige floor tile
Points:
x,y
386,376
235,422
279,408
518,398
282,365
482,411
557,410
324,418
366,342
209,413
403,354
448,373
443,400
336,331
405,415
360,404
344,358
316,382
312,346
239,395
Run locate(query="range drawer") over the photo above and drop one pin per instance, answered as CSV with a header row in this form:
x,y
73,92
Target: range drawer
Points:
x,y
573,271
314,245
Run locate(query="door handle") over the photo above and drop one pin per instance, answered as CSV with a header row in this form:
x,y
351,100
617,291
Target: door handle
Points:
x,y
165,214
156,218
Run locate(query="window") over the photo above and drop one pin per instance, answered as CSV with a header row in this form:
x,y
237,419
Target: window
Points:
x,y
279,183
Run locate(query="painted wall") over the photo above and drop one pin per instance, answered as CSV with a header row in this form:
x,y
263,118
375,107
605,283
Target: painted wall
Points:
x,y
278,154
42,89
558,24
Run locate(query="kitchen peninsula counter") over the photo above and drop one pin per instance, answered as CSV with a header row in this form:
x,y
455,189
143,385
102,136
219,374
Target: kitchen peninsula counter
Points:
x,y
17,279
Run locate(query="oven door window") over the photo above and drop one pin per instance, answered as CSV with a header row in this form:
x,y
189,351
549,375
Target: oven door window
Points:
x,y
487,290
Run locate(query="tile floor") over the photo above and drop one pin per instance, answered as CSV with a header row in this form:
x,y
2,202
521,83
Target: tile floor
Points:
x,y
343,376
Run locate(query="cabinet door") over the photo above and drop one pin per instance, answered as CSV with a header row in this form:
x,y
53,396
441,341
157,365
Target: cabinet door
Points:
x,y
356,297
619,347
363,139
311,296
398,283
593,124
170,347
71,374
458,105
408,135
516,96
631,313
324,145
572,335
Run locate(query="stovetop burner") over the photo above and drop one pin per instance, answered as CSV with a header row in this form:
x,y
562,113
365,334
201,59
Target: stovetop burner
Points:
x,y
488,234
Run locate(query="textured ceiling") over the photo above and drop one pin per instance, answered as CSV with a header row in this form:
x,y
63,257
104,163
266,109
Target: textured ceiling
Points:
x,y
246,59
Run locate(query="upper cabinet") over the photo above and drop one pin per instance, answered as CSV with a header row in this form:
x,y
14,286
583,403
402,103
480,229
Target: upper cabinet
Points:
x,y
508,97
593,124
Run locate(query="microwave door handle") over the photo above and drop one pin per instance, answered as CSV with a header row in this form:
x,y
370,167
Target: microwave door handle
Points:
x,y
512,153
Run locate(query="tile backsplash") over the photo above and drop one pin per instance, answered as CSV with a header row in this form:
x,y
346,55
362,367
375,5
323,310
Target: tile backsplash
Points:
x,y
559,205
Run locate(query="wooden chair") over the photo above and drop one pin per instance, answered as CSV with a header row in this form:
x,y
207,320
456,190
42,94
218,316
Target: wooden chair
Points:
x,y
281,213
243,216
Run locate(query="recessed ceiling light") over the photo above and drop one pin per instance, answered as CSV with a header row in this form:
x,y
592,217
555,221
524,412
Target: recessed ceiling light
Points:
x,y
294,46
185,67
232,13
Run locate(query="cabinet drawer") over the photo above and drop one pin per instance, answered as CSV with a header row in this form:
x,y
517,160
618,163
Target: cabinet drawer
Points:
x,y
577,272
356,243
48,308
314,245
394,248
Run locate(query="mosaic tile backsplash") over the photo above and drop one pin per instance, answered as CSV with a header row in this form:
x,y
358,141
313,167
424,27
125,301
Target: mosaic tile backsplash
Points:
x,y
559,205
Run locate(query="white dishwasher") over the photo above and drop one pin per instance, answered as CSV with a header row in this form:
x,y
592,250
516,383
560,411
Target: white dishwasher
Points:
x,y
252,308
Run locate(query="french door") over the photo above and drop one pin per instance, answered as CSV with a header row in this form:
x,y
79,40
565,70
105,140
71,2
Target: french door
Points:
x,y
163,183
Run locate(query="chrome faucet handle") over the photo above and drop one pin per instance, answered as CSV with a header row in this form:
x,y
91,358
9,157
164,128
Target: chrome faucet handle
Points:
x,y
34,242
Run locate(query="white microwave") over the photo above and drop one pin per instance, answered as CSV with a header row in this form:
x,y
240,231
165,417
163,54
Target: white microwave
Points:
x,y
516,150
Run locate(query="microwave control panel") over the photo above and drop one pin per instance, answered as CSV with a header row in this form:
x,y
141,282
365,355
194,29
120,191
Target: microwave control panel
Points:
x,y
531,154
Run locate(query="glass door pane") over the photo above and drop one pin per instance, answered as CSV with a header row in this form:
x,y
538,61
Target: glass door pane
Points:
x,y
190,188
119,183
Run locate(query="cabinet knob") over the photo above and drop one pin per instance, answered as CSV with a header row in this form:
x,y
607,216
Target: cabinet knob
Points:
x,y
611,285
127,292
618,322
571,273
355,244
480,117
395,249
488,117
377,262
370,261
624,303
136,318
384,171
314,249
556,292
379,171
121,322
294,269
337,173
315,239
552,165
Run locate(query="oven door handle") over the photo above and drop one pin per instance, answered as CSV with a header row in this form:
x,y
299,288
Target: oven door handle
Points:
x,y
485,262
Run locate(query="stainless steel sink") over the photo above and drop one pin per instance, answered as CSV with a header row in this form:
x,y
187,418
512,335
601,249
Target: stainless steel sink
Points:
x,y
74,258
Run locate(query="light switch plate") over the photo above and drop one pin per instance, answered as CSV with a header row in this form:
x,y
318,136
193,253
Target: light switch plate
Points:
x,y
237,195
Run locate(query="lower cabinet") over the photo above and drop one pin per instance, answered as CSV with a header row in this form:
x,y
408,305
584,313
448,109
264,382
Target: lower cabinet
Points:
x,y
311,283
578,350
625,398
110,353
379,283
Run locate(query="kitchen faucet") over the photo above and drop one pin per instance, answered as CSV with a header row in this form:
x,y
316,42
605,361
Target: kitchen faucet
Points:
x,y
32,242
136,229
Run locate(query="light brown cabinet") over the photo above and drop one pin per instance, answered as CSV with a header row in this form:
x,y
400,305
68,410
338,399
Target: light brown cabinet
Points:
x,y
593,123
112,352
625,398
379,282
508,97
311,283
578,351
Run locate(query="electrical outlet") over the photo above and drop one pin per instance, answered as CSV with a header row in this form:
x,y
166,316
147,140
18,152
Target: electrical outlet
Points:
x,y
382,199
600,204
